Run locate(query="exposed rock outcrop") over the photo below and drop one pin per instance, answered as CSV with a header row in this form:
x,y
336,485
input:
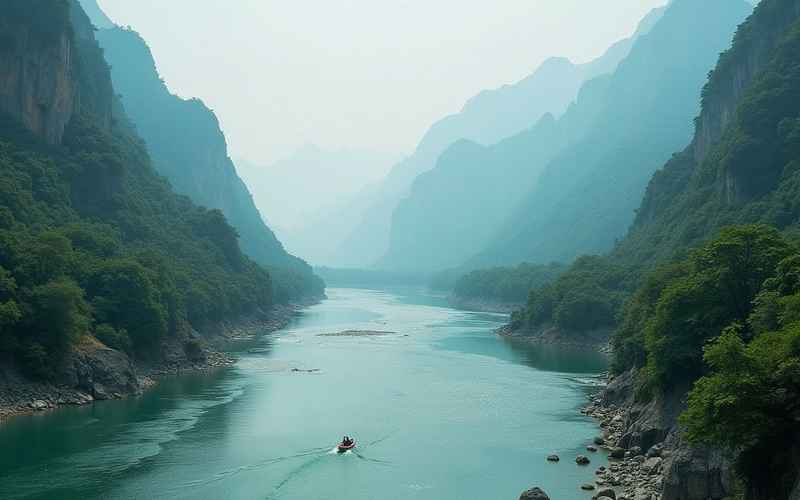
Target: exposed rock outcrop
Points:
x,y
650,457
37,72
730,80
101,372
534,494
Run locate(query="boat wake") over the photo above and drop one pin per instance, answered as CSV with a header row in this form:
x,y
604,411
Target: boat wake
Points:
x,y
322,453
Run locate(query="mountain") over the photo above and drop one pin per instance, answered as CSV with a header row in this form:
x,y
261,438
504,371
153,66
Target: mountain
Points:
x,y
98,18
485,119
703,289
187,147
586,197
454,209
329,183
102,265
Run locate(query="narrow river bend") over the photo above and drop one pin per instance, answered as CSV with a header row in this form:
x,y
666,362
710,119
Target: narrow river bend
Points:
x,y
441,409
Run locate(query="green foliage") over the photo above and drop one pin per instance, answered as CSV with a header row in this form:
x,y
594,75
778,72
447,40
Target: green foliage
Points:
x,y
748,401
94,242
116,339
586,297
58,317
509,285
123,293
721,282
187,146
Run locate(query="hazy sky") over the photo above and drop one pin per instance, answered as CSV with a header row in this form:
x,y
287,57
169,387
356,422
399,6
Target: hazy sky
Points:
x,y
358,73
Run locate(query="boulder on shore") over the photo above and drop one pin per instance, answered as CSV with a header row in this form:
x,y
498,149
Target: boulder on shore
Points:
x,y
534,494
618,453
607,493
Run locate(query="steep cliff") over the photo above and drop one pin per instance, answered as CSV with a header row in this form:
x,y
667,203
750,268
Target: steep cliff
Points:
x,y
738,168
741,168
586,198
39,67
190,150
102,266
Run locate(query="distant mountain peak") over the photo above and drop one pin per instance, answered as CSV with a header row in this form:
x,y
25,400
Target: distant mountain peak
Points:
x,y
96,14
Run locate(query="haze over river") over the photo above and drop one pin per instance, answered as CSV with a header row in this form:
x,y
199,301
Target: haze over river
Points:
x,y
441,409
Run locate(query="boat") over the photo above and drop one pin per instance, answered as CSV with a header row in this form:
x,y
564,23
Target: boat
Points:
x,y
343,447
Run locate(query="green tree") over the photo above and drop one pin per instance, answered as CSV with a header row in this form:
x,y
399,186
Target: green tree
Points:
x,y
59,317
123,295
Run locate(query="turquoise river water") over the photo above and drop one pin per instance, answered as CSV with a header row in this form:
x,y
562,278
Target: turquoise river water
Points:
x,y
441,409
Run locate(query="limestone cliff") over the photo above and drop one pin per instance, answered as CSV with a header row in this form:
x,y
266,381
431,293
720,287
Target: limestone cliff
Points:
x,y
188,147
37,68
754,42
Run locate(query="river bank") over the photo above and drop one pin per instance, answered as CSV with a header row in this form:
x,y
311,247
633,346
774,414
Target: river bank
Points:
x,y
482,305
598,340
633,474
94,372
264,427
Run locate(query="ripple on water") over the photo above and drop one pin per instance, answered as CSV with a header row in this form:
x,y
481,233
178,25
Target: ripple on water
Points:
x,y
130,447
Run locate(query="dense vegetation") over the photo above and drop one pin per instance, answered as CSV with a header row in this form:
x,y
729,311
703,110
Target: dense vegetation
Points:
x,y
750,176
720,306
93,242
584,298
186,145
726,316
502,285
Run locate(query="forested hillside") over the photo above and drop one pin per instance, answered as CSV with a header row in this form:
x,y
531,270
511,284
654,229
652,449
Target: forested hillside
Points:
x,y
586,197
704,287
93,243
187,146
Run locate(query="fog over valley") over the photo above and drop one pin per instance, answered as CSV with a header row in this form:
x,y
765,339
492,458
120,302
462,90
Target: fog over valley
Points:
x,y
428,250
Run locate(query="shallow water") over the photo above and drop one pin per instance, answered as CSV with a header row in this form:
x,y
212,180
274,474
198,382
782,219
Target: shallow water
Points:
x,y
443,409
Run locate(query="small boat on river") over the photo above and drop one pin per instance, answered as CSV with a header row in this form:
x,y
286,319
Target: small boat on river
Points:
x,y
347,444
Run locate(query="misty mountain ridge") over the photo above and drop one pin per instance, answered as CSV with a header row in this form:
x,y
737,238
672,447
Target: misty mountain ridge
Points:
x,y
455,210
487,118
586,197
189,148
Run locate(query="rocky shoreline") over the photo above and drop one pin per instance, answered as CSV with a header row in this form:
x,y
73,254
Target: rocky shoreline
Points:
x,y
633,474
94,372
597,340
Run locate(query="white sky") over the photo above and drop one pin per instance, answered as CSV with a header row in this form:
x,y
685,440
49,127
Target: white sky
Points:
x,y
371,74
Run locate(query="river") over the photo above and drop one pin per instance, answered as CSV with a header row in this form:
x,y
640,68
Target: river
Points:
x,y
441,409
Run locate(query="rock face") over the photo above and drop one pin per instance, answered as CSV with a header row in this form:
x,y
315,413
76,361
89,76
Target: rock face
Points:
x,y
188,147
671,469
693,473
37,72
534,494
730,81
101,372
